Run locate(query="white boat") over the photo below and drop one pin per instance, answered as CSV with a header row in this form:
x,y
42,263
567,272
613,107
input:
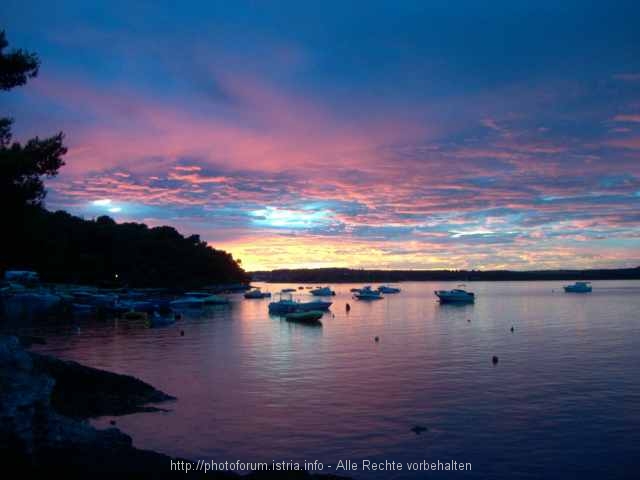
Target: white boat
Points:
x,y
21,276
288,305
322,292
257,293
207,298
187,302
28,305
199,299
388,289
457,295
367,293
578,287
104,300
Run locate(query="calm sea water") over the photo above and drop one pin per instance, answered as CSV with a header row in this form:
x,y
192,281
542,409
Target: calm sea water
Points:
x,y
563,401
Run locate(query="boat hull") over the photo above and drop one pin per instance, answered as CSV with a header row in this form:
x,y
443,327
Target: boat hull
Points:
x,y
368,297
572,289
257,295
311,317
322,292
290,307
448,297
388,290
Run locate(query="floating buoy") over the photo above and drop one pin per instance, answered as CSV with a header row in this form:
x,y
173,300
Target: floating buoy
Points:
x,y
512,328
348,307
468,320
377,339
112,422
177,316
182,333
494,359
418,429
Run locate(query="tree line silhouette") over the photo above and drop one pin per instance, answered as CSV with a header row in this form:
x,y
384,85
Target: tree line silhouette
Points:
x,y
65,248
348,275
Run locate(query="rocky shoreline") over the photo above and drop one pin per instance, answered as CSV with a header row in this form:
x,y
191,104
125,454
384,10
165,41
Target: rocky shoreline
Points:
x,y
44,406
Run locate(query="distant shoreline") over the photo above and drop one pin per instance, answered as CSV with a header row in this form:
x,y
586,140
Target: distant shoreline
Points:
x,y
347,275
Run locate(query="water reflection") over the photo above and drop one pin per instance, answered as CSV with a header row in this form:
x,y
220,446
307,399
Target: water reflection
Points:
x,y
255,387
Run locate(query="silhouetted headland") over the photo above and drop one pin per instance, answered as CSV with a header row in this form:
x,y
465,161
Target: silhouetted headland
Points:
x,y
64,248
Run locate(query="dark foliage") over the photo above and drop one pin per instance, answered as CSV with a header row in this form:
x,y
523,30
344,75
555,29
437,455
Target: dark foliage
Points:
x,y
336,275
16,66
65,248
23,166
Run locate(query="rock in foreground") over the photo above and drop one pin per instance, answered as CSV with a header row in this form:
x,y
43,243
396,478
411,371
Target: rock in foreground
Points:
x,y
84,392
34,434
43,405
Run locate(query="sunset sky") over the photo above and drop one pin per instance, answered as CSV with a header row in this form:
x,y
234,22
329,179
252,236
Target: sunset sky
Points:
x,y
426,134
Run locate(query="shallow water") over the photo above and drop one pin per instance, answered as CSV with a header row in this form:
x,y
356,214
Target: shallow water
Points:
x,y
563,400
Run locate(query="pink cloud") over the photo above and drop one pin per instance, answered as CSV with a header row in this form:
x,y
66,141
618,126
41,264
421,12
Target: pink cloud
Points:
x,y
633,118
196,178
277,131
631,143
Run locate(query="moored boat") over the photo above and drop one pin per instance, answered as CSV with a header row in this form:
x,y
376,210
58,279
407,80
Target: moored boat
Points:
x,y
187,302
388,289
288,305
367,293
322,292
578,287
456,295
311,317
104,300
207,298
257,293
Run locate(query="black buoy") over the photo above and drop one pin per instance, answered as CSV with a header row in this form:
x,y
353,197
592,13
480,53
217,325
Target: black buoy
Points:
x,y
468,320
377,339
112,422
348,307
418,429
512,328
182,333
178,316
495,359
